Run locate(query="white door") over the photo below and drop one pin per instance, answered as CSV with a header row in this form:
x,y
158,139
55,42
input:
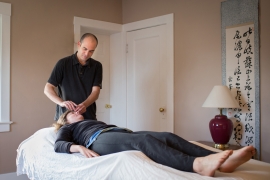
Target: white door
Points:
x,y
146,80
102,54
122,101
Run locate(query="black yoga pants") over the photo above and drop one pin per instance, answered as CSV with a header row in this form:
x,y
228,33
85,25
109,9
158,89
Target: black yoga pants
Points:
x,y
162,147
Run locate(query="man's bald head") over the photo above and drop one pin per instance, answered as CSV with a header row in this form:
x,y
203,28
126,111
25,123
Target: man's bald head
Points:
x,y
89,35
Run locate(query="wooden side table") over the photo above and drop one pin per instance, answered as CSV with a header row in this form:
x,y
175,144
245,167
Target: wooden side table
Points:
x,y
212,144
231,147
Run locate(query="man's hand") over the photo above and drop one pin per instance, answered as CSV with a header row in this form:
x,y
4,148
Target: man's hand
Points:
x,y
81,108
69,105
84,151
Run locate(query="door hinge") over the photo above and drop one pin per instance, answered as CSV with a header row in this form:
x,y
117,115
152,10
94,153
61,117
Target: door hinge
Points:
x,y
126,48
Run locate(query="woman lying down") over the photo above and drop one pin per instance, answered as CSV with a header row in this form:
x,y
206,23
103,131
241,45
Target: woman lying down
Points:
x,y
94,138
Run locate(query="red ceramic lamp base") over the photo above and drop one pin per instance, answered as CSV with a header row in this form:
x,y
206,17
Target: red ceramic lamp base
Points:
x,y
221,130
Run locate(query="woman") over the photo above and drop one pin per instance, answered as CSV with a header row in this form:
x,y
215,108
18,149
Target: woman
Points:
x,y
94,138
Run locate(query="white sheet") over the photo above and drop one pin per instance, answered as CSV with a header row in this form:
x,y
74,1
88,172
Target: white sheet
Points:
x,y
36,158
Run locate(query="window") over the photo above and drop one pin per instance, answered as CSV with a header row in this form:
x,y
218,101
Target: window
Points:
x,y
5,13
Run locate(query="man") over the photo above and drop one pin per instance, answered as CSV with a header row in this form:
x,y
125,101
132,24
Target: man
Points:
x,y
78,78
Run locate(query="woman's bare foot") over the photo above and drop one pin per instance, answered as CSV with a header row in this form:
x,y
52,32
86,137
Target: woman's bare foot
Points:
x,y
207,165
237,158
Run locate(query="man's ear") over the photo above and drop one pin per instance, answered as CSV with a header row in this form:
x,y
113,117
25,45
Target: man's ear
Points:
x,y
79,44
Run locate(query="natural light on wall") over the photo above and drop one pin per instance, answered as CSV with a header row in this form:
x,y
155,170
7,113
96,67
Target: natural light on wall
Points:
x,y
5,13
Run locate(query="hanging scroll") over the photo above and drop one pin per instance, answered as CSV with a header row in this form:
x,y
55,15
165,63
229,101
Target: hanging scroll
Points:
x,y
240,80
241,68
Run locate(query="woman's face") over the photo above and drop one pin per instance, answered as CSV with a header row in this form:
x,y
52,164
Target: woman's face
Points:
x,y
73,117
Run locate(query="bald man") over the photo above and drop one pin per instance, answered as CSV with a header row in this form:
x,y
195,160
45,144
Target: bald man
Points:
x,y
78,79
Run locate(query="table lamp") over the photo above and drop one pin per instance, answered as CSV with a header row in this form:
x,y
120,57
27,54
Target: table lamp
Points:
x,y
221,127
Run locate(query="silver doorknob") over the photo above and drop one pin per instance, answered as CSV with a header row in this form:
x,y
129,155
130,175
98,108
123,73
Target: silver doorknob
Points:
x,y
161,109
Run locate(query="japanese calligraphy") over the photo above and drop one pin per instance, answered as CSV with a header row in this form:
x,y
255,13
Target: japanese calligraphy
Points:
x,y
240,80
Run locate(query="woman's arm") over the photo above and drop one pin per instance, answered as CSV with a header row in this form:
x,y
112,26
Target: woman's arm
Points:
x,y
64,144
63,140
83,150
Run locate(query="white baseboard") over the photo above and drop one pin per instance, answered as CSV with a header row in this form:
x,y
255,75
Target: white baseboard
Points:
x,y
13,176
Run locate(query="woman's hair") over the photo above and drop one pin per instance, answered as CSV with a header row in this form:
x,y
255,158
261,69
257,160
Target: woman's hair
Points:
x,y
61,121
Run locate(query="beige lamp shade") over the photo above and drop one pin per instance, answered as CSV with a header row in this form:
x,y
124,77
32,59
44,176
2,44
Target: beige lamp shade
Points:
x,y
220,97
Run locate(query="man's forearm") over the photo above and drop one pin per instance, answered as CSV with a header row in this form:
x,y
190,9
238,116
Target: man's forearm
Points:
x,y
91,98
81,108
51,94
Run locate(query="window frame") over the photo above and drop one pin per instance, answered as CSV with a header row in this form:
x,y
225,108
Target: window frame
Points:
x,y
5,14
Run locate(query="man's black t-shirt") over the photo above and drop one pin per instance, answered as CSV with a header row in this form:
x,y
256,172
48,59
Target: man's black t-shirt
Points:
x,y
75,82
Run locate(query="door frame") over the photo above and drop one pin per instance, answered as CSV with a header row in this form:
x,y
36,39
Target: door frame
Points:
x,y
118,65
